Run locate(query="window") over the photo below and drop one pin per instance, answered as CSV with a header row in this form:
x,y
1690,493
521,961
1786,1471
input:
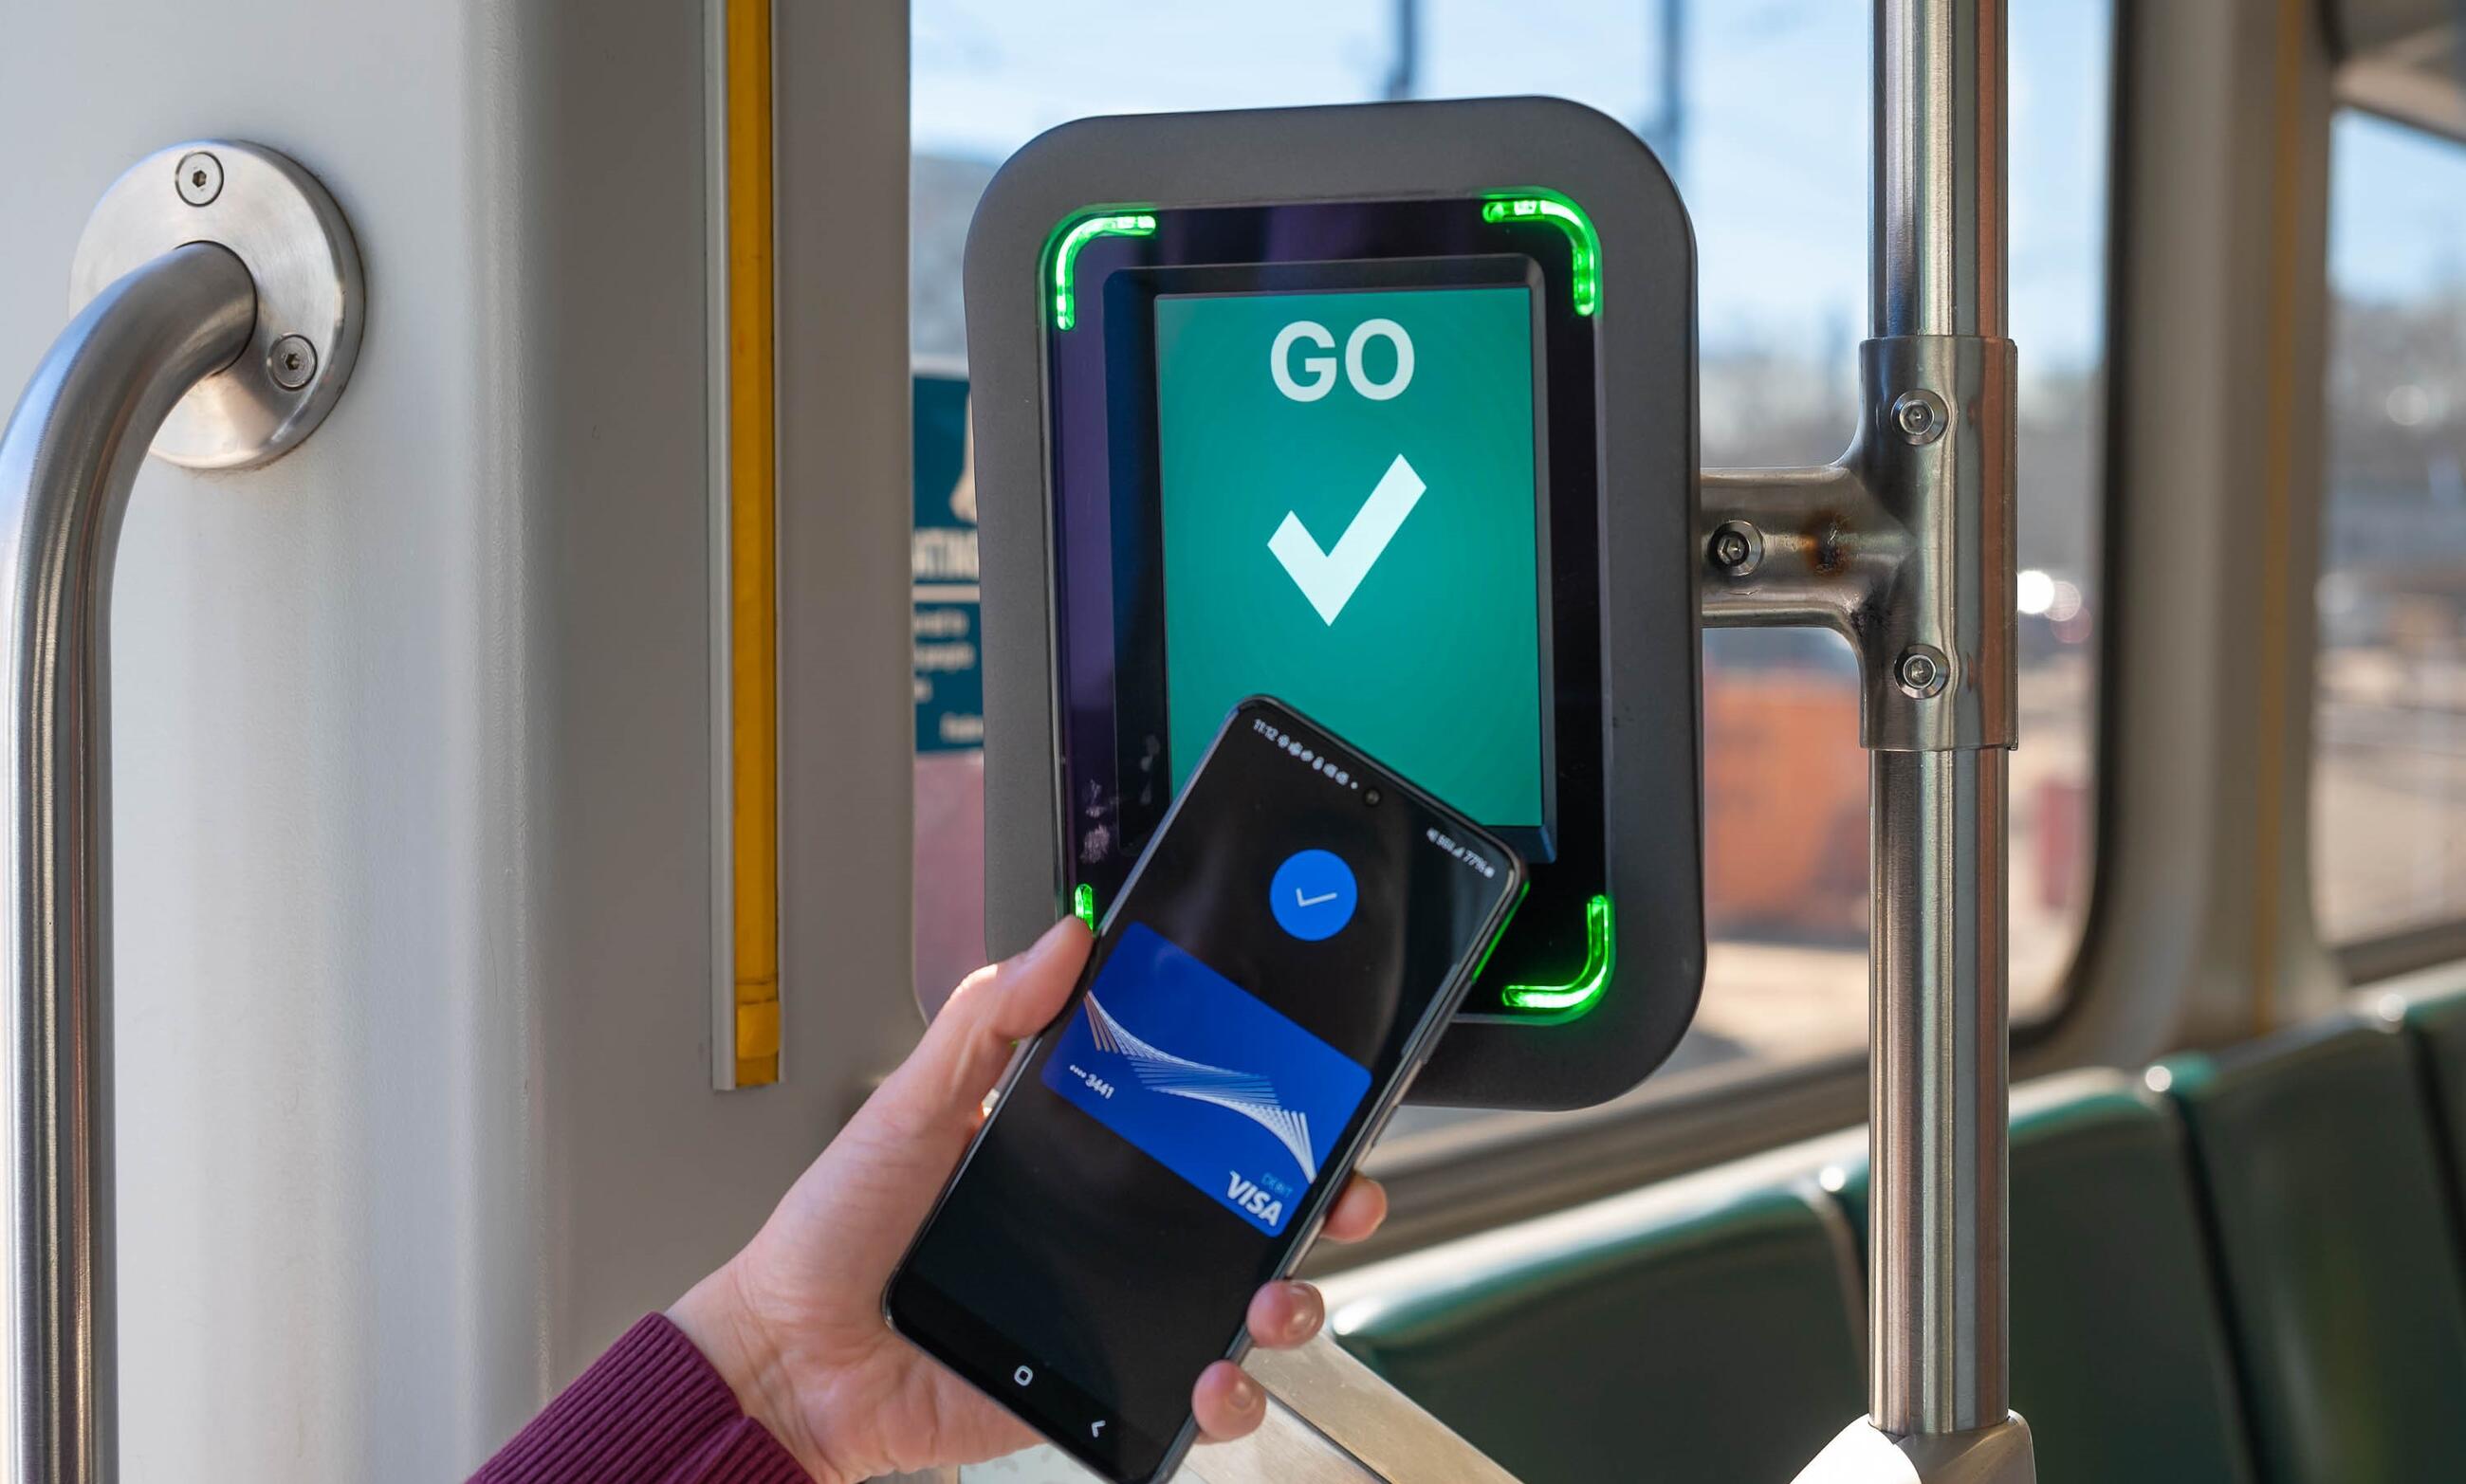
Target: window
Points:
x,y
1762,113
2388,765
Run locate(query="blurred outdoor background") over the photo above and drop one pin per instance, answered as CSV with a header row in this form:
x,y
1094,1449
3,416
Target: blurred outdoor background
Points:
x,y
1757,106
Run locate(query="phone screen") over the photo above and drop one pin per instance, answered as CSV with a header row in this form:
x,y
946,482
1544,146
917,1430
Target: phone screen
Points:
x,y
1278,964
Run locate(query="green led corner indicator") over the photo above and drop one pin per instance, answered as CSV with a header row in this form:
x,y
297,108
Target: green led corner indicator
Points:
x,y
1063,252
1579,994
1556,210
1082,904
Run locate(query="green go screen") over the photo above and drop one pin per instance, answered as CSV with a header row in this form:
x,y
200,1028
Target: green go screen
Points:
x,y
1349,519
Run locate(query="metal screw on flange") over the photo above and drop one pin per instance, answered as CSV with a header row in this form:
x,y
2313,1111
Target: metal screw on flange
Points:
x,y
1921,671
291,361
199,178
1737,548
1920,416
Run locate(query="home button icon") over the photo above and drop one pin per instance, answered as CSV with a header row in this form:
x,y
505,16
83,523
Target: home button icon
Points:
x,y
1022,1375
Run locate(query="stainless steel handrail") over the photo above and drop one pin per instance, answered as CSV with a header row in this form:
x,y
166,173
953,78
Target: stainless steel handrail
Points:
x,y
1940,1016
215,267
67,461
1905,545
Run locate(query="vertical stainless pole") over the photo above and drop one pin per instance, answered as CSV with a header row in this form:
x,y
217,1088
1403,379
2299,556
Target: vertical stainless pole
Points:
x,y
1935,1299
1936,264
1905,546
1938,988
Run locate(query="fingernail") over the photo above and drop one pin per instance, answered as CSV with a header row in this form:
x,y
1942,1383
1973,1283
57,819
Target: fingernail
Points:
x,y
1053,935
1309,1311
1243,1394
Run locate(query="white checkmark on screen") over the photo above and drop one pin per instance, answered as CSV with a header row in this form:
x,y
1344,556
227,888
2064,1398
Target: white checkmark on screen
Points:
x,y
1299,901
1330,578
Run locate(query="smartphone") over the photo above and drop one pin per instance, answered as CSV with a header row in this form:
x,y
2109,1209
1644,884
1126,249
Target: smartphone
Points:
x,y
1278,966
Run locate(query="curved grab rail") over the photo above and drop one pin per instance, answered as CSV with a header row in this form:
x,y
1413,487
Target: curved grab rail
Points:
x,y
215,267
67,461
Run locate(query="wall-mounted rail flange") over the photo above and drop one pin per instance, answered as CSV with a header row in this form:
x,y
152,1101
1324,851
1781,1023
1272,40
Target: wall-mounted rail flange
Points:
x,y
290,234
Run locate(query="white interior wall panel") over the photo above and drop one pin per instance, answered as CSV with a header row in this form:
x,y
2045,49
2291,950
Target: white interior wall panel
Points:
x,y
411,759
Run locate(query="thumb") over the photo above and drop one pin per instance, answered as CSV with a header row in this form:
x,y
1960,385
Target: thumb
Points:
x,y
843,1224
934,1095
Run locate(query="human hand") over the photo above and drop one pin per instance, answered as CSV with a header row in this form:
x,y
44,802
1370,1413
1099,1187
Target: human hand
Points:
x,y
793,1321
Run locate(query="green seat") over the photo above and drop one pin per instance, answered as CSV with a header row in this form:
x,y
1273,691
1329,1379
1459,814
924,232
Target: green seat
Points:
x,y
2438,1025
2120,1360
1665,1334
2336,1252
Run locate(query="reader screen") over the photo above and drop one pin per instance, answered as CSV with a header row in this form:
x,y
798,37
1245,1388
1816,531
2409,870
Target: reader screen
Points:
x,y
1349,519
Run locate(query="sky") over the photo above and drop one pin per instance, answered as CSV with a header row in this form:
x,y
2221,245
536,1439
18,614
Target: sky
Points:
x,y
1772,161
2397,211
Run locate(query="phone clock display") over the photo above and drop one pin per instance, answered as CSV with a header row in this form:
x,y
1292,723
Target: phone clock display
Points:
x,y
1320,763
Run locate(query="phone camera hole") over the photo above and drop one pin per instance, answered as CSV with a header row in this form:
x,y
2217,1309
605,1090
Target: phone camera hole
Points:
x,y
1370,796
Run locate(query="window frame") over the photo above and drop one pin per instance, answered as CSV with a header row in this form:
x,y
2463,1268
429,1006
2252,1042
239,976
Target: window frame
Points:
x,y
1504,1167
2362,86
1451,1180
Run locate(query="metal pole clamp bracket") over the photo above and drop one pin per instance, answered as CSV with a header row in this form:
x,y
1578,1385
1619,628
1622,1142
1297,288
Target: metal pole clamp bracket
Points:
x,y
1903,546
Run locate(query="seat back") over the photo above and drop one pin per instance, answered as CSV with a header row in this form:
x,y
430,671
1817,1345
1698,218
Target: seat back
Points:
x,y
2336,1252
2120,1355
2438,1023
1689,1331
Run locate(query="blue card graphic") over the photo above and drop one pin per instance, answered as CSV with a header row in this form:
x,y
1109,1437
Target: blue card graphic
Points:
x,y
1205,1079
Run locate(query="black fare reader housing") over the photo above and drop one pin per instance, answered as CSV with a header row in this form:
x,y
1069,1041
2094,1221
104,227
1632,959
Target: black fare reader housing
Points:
x,y
1389,411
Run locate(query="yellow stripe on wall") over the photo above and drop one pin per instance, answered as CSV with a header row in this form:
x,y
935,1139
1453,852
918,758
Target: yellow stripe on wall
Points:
x,y
753,673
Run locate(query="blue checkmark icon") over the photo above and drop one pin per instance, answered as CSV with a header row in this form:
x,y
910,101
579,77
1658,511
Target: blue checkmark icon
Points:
x,y
1314,894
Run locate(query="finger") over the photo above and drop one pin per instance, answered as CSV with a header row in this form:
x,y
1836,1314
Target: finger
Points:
x,y
941,1085
1227,1403
1284,1315
1357,1211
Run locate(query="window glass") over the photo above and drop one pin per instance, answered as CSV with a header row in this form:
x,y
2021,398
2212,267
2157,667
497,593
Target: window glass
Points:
x,y
2389,763
1760,110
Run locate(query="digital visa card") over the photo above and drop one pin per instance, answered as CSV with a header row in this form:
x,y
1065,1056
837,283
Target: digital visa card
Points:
x,y
1205,1079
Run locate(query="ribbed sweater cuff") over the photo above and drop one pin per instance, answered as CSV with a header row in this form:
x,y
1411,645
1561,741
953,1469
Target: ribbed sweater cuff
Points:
x,y
649,1411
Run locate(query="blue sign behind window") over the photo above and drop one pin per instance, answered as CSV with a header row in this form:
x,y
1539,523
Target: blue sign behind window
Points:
x,y
944,618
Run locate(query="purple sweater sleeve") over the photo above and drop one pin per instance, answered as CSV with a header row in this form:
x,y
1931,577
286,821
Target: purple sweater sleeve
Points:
x,y
649,1411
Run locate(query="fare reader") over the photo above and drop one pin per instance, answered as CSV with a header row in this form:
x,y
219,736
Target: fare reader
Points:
x,y
1389,413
